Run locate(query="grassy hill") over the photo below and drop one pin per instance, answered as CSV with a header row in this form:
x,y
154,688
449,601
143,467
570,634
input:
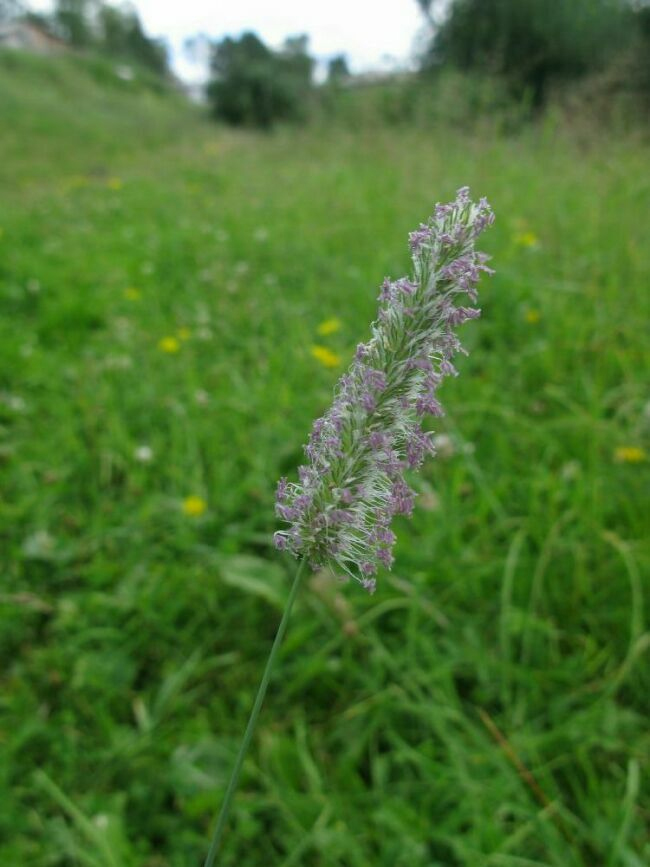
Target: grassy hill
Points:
x,y
166,292
78,113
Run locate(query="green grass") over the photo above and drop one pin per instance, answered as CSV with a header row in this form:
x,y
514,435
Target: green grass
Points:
x,y
489,705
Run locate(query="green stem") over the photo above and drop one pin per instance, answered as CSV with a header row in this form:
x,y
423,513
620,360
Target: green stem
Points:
x,y
250,728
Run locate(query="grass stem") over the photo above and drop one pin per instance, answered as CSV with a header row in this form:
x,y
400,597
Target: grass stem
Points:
x,y
250,728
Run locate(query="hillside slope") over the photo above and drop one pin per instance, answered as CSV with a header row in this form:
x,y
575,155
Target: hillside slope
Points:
x,y
81,115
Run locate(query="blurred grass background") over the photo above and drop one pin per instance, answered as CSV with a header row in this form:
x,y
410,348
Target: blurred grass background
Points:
x,y
163,286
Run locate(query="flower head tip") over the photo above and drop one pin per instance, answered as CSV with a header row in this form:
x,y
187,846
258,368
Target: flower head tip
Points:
x,y
353,484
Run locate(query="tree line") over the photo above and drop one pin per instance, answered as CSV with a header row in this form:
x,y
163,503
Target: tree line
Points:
x,y
529,47
97,26
534,45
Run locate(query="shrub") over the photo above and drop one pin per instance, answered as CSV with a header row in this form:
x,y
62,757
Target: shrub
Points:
x,y
532,43
252,85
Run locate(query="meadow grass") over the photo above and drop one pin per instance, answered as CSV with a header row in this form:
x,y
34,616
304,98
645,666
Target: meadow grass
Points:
x,y
162,286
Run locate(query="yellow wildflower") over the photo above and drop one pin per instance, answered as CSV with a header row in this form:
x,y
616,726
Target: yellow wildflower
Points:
x,y
169,344
114,183
527,239
326,357
194,506
184,333
132,294
533,317
329,326
629,455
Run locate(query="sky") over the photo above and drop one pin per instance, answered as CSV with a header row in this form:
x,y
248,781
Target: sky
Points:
x,y
374,34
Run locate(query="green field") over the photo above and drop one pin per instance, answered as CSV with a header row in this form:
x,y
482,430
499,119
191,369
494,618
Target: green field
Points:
x,y
162,287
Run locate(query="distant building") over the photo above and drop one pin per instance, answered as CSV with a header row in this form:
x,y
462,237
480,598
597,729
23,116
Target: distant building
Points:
x,y
28,36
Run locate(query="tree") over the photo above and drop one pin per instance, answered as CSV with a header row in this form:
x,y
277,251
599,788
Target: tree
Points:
x,y
252,85
639,61
338,69
120,34
73,21
432,11
530,42
114,30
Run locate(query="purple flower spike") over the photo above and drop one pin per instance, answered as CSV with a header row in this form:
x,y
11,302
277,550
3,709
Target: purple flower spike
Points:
x,y
340,511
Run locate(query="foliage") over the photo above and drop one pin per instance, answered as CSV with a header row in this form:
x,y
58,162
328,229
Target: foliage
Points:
x,y
488,706
120,34
450,99
252,85
73,21
533,43
338,69
640,54
113,30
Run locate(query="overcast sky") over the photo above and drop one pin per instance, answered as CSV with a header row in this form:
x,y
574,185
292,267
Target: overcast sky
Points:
x,y
374,34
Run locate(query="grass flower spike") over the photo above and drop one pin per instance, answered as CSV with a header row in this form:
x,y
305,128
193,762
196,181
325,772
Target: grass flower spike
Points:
x,y
339,513
353,484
